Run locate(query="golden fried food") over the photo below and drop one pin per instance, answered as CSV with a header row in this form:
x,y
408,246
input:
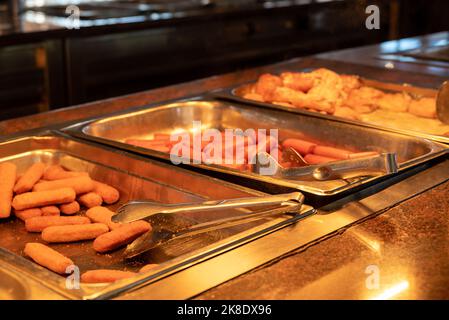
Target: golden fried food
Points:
x,y
266,85
297,81
364,99
350,82
398,102
347,113
424,107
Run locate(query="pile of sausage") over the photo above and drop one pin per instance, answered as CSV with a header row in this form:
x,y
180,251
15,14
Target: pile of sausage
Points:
x,y
313,153
49,200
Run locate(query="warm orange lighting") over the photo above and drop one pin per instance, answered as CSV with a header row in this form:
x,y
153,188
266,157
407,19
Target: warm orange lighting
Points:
x,y
393,291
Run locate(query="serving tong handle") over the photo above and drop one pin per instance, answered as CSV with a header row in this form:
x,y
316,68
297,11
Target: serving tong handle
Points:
x,y
151,239
138,210
384,163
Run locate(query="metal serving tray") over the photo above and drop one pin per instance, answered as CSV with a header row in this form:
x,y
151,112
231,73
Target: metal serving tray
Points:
x,y
144,122
136,178
236,94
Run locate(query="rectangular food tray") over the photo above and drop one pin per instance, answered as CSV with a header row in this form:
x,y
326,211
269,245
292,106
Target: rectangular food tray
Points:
x,y
177,116
236,94
136,178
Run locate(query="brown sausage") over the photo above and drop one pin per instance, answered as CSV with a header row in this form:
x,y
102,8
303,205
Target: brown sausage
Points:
x,y
70,208
363,154
29,178
102,215
50,211
315,159
73,233
121,236
81,185
105,276
43,198
47,257
37,224
331,152
28,213
109,194
90,199
8,174
302,146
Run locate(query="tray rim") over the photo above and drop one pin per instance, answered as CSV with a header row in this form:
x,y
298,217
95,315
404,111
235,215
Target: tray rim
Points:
x,y
77,130
228,94
53,282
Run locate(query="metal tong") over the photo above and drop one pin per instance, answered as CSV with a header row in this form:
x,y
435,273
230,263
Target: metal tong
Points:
x,y
383,164
138,210
291,202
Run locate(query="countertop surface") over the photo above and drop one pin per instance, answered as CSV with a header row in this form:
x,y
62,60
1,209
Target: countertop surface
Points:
x,y
394,55
403,250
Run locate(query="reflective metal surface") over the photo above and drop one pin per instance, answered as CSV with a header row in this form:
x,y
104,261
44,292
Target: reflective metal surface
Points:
x,y
136,178
179,116
330,221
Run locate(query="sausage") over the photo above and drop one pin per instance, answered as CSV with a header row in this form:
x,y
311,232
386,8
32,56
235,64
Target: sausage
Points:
x,y
30,178
28,213
56,172
121,236
90,199
314,159
47,257
109,194
331,152
105,276
81,185
37,224
363,154
73,233
43,198
102,215
302,146
8,174
148,267
70,208
50,211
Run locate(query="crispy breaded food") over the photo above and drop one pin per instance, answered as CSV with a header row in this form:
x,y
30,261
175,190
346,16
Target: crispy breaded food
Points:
x,y
8,176
424,107
81,184
30,178
47,257
350,82
266,85
73,233
398,102
121,236
301,100
363,100
253,96
297,81
70,208
105,276
346,112
29,200
37,224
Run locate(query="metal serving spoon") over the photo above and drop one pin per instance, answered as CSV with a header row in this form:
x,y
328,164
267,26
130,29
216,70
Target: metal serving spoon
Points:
x,y
443,103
